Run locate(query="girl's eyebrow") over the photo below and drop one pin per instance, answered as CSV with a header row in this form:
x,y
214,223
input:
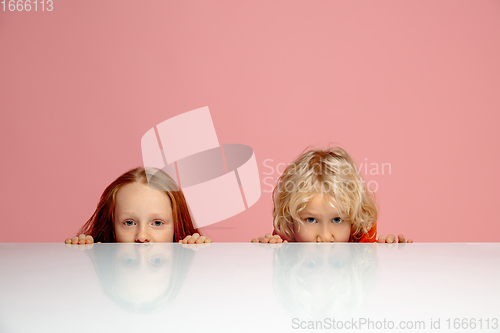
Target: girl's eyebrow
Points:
x,y
125,214
160,215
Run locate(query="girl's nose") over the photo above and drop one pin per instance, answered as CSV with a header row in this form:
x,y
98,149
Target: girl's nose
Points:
x,y
142,236
139,240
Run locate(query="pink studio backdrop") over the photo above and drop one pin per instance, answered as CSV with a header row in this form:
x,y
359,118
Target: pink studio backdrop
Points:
x,y
412,86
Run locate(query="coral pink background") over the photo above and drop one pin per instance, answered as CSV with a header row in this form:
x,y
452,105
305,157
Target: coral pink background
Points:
x,y
410,83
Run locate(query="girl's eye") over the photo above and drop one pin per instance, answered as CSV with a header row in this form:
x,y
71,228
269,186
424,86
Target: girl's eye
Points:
x,y
129,223
311,220
157,223
337,220
129,262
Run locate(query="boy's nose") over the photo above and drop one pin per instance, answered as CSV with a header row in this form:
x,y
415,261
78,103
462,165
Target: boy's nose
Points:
x,y
324,236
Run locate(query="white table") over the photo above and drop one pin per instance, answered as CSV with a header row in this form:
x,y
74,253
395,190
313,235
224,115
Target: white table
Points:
x,y
239,287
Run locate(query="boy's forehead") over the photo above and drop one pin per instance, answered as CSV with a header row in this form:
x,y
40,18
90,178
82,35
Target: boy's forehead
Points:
x,y
318,199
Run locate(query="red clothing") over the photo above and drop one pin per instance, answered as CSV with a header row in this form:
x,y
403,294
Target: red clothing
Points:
x,y
371,236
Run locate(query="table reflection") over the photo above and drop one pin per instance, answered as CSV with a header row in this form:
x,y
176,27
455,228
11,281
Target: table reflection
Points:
x,y
317,281
141,277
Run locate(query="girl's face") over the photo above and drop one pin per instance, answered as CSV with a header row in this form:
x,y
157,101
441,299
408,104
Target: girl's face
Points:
x,y
321,223
152,265
142,215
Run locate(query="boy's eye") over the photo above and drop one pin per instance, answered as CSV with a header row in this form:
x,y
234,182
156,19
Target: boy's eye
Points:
x,y
129,222
311,220
312,263
157,223
156,261
336,263
337,220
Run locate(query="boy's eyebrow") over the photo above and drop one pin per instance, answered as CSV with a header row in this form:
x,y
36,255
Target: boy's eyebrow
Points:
x,y
308,212
313,213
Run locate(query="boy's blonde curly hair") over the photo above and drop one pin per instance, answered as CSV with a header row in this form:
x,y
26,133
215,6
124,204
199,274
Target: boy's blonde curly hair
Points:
x,y
330,172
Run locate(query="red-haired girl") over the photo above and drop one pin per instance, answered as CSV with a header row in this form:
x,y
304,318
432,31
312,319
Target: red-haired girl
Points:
x,y
141,206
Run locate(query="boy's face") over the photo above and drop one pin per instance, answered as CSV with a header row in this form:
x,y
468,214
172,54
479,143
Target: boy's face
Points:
x,y
321,223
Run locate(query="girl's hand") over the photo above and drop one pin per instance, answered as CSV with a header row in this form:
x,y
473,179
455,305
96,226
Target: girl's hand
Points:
x,y
195,247
391,239
268,238
80,240
195,239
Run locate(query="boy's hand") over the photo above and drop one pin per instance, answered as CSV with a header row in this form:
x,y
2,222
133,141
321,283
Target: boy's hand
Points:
x,y
195,239
268,238
80,240
391,239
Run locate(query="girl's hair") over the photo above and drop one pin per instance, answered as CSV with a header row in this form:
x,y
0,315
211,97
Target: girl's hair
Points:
x,y
100,224
331,172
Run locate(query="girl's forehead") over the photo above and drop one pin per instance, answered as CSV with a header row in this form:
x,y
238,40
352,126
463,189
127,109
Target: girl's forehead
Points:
x,y
139,194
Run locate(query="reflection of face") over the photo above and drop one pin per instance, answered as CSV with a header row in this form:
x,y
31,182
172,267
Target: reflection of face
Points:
x,y
142,215
324,267
321,223
317,281
143,272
